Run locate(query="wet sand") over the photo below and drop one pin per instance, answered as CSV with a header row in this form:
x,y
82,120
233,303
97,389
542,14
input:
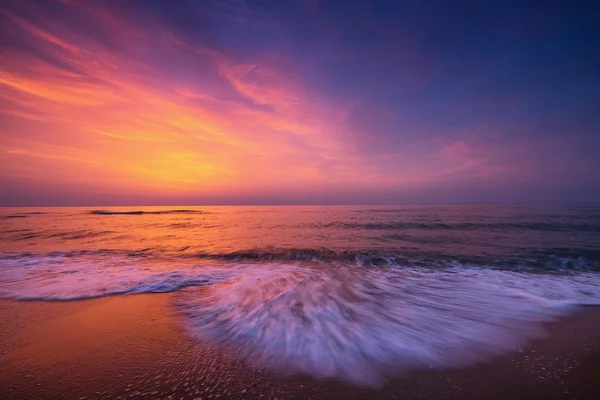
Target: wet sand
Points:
x,y
123,347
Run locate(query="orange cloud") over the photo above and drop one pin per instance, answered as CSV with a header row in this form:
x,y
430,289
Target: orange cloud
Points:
x,y
78,105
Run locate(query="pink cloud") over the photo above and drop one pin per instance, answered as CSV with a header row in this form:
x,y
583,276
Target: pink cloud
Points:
x,y
457,150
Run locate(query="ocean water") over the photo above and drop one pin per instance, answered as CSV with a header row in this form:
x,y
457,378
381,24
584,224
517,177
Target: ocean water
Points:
x,y
350,293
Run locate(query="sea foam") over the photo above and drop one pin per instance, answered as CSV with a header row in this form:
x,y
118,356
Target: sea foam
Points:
x,y
330,320
360,326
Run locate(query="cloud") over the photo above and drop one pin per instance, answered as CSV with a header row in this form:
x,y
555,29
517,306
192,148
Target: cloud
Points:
x,y
457,150
146,125
236,99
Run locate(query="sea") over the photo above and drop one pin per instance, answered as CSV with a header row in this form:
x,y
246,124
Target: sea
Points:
x,y
354,293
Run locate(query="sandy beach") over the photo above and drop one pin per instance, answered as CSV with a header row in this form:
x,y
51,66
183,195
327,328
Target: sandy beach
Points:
x,y
135,346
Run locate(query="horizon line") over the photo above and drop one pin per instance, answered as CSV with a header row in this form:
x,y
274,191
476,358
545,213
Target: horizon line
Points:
x,y
310,205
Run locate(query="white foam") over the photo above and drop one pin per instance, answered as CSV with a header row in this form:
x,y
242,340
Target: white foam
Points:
x,y
347,322
69,278
361,325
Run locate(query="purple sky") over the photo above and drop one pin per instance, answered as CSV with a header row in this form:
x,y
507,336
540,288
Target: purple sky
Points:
x,y
299,102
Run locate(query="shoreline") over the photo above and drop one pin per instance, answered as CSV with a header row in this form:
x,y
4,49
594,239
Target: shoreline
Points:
x,y
134,346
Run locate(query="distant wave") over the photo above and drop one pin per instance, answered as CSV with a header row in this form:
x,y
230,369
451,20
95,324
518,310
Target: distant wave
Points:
x,y
106,212
537,226
21,215
26,234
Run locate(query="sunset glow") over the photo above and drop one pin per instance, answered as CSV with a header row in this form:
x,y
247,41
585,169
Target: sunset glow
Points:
x,y
218,102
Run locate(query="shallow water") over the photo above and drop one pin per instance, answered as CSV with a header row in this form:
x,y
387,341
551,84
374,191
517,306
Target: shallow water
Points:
x,y
353,293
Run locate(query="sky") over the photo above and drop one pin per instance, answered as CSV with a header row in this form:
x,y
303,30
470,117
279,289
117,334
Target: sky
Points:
x,y
157,102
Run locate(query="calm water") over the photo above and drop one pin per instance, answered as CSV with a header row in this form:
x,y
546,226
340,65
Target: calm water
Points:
x,y
345,292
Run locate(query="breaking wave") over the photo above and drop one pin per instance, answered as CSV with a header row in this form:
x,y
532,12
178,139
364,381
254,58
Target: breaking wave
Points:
x,y
361,326
66,276
333,320
561,261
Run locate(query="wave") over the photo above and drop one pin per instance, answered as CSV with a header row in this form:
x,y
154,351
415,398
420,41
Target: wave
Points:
x,y
333,320
137,212
67,277
461,226
26,234
553,261
362,326
558,260
22,215
102,268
